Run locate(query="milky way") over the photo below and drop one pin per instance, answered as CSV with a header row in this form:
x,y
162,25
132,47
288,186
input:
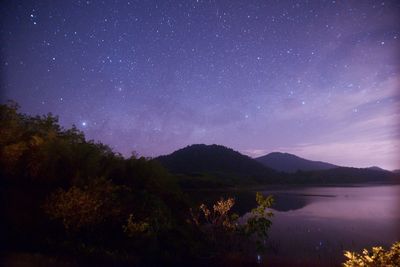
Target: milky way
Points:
x,y
316,78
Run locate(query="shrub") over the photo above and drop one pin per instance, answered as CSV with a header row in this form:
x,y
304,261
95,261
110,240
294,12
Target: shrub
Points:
x,y
78,208
223,230
259,222
377,256
133,228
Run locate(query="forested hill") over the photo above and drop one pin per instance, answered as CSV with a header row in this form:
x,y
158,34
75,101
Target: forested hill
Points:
x,y
211,158
217,161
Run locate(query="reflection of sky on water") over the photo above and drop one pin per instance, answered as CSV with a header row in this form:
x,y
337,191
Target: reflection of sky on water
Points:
x,y
333,219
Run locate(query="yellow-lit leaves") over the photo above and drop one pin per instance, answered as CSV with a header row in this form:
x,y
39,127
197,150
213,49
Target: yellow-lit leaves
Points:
x,y
78,208
378,256
133,228
219,215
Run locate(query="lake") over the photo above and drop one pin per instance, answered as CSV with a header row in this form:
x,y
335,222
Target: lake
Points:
x,y
313,225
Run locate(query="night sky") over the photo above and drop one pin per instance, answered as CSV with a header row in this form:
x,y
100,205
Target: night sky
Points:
x,y
319,79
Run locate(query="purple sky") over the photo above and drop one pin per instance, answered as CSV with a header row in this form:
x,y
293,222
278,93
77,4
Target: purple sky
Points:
x,y
318,79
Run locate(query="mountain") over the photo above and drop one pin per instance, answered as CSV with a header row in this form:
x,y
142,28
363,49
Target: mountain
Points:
x,y
215,163
290,163
376,168
215,166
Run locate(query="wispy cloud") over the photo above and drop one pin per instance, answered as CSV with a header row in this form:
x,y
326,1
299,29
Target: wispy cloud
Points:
x,y
363,153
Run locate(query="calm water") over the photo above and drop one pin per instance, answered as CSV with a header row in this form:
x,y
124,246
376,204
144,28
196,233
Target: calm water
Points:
x,y
313,225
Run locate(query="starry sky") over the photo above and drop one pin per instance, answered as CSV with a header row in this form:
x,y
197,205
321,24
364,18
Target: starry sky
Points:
x,y
319,79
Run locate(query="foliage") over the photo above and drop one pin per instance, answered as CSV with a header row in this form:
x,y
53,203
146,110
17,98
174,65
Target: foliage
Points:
x,y
259,221
62,193
377,256
217,220
58,184
220,224
132,228
78,208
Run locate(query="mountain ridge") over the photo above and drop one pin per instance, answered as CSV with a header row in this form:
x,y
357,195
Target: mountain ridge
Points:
x,y
198,150
290,163
209,166
216,161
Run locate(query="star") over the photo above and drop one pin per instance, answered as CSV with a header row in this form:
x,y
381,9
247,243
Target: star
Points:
x,y
134,67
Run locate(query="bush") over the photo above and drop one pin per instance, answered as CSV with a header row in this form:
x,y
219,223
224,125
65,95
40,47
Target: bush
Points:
x,y
377,256
223,230
78,208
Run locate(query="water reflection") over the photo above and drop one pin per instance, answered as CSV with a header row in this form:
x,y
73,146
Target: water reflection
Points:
x,y
287,202
330,220
313,225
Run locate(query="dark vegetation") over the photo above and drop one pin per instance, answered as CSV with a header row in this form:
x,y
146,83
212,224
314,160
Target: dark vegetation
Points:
x,y
65,197
345,175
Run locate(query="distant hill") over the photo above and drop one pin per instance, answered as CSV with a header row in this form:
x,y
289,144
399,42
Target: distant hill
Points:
x,y
376,168
285,162
217,163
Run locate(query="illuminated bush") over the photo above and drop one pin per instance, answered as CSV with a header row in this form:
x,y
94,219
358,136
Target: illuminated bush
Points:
x,y
377,256
133,228
222,228
78,208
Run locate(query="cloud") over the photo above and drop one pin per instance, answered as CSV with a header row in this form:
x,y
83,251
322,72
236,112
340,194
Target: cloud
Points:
x,y
357,128
254,153
363,153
